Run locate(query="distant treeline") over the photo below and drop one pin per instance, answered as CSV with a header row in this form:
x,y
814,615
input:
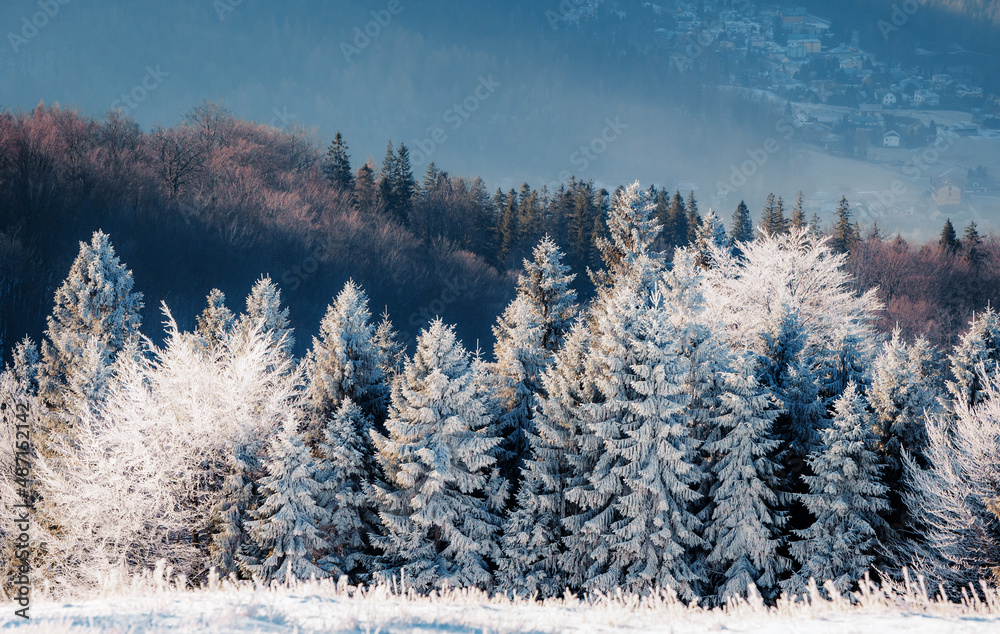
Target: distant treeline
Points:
x,y
217,201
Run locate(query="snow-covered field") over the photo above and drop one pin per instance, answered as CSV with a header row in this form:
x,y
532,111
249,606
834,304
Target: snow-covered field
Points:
x,y
323,607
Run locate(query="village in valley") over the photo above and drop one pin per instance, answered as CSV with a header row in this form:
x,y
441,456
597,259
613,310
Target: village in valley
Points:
x,y
914,141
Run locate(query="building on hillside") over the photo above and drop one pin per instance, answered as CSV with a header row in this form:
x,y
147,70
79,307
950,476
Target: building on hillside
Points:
x,y
791,16
891,139
926,98
948,188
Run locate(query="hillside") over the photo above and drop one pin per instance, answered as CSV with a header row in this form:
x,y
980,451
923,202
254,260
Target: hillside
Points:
x,y
212,203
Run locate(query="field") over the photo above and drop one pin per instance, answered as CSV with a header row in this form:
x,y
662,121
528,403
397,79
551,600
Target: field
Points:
x,y
151,606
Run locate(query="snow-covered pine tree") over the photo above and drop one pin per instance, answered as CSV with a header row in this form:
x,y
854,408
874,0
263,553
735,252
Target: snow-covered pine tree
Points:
x,y
533,549
392,351
545,284
632,229
794,274
345,475
785,370
980,346
216,321
24,366
344,363
95,314
285,527
238,497
846,497
711,235
745,516
655,541
847,364
438,458
264,307
531,329
955,498
636,529
521,358
903,393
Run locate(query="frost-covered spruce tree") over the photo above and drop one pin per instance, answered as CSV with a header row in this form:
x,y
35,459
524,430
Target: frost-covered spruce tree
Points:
x,y
216,321
903,394
955,498
285,527
345,475
531,329
24,367
846,497
745,517
785,369
95,314
794,274
344,362
440,504
706,356
239,496
521,358
847,364
545,284
533,549
980,346
711,235
637,500
632,229
264,308
392,351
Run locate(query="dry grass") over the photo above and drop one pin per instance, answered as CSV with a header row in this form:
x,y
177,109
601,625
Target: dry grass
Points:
x,y
158,601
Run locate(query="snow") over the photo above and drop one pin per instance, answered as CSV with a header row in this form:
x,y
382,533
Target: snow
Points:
x,y
325,607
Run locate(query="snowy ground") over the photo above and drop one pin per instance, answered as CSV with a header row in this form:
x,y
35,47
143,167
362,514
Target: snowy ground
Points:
x,y
324,608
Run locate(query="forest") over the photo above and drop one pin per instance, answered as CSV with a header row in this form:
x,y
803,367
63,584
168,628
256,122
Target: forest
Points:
x,y
665,398
217,202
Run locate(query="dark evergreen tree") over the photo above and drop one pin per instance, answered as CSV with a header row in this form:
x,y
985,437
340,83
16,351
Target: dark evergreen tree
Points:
x,y
366,190
845,234
675,232
742,230
948,242
431,175
972,245
506,229
694,218
799,213
772,218
397,185
337,167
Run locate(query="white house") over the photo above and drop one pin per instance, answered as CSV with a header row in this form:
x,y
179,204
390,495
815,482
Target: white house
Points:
x,y
891,139
927,98
889,99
